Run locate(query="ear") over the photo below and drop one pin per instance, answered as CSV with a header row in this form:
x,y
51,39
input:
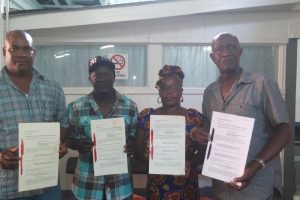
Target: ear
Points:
x,y
34,53
89,77
241,51
4,51
212,57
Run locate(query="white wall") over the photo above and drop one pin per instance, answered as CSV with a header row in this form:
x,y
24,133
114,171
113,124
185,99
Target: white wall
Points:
x,y
250,27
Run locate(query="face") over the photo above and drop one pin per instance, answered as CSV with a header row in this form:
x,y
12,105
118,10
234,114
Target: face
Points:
x,y
226,53
102,79
170,91
19,53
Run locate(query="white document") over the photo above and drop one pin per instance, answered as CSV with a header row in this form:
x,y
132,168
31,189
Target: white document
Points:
x,y
167,145
227,150
38,150
108,151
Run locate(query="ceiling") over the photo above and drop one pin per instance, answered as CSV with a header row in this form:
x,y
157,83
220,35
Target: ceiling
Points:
x,y
29,5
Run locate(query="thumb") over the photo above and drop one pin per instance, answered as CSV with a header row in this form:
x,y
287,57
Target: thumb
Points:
x,y
14,149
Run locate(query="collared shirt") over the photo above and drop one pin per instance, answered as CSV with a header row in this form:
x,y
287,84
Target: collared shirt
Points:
x,y
85,184
44,103
258,97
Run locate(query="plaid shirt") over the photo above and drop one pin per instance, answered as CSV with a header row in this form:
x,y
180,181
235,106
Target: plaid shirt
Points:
x,y
85,184
44,103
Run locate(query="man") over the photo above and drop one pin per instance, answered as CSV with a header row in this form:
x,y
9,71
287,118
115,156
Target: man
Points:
x,y
251,95
25,96
103,102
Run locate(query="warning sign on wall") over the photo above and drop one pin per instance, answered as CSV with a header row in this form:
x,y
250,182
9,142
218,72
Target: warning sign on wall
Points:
x,y
121,65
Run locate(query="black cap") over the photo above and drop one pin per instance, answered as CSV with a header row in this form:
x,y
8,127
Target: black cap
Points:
x,y
100,61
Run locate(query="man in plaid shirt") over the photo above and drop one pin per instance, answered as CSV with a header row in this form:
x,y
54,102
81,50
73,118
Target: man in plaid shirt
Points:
x,y
103,102
25,96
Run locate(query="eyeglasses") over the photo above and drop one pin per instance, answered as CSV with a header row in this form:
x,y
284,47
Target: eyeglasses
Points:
x,y
170,89
17,49
230,48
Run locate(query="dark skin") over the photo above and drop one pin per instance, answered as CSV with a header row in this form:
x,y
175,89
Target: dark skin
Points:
x,y
226,53
102,80
170,93
19,54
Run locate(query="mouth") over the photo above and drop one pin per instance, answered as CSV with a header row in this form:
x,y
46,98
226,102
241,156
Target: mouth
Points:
x,y
228,61
21,61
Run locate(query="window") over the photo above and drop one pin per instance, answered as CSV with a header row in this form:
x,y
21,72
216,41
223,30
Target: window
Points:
x,y
67,64
200,70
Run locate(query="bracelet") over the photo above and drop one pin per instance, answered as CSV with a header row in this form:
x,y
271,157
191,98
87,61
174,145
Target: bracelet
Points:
x,y
261,162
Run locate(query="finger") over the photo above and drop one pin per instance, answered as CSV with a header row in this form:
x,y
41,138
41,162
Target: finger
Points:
x,y
9,156
14,149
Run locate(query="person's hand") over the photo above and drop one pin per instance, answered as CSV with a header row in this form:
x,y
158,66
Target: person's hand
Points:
x,y
63,150
200,135
9,158
85,145
243,181
129,148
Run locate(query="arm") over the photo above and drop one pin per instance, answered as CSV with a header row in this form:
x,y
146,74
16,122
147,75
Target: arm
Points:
x,y
82,145
76,138
140,147
280,138
275,113
63,149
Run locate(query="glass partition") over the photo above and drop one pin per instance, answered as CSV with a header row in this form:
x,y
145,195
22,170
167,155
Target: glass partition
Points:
x,y
67,64
200,70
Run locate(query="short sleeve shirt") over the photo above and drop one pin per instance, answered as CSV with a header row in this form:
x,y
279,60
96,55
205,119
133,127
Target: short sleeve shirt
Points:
x,y
85,184
258,97
44,103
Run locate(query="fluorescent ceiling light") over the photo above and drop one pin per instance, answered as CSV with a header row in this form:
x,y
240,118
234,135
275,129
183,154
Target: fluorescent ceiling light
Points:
x,y
107,46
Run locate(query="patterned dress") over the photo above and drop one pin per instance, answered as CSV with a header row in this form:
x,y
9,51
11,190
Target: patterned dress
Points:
x,y
169,186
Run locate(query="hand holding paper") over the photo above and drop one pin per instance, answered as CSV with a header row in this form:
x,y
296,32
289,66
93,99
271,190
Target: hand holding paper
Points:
x,y
108,151
38,151
227,150
167,145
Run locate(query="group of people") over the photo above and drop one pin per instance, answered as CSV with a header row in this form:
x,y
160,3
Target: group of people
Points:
x,y
24,92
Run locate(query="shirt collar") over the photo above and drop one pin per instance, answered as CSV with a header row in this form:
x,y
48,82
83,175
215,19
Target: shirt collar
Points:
x,y
246,77
35,75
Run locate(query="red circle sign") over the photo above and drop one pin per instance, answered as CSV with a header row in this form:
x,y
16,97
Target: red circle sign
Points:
x,y
119,61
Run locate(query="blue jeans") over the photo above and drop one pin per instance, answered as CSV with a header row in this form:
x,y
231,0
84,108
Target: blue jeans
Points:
x,y
51,193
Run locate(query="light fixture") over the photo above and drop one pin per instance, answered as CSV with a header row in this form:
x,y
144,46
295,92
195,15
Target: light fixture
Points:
x,y
62,54
107,46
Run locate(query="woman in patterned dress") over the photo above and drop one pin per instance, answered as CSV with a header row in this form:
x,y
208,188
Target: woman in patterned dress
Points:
x,y
172,187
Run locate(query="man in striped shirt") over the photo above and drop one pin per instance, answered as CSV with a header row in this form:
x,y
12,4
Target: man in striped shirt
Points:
x,y
25,96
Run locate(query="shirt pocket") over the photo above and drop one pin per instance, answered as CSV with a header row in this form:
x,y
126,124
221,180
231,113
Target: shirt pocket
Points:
x,y
85,124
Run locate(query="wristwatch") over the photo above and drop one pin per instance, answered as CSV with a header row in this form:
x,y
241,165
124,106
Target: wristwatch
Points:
x,y
261,162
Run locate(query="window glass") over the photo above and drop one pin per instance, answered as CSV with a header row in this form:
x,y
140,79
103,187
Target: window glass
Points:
x,y
67,64
200,70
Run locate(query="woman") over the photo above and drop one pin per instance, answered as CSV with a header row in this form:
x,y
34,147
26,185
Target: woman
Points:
x,y
170,90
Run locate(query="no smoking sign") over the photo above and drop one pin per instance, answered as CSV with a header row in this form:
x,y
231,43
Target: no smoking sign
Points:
x,y
119,61
121,65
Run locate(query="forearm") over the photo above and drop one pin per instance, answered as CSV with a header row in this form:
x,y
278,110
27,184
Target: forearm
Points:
x,y
281,136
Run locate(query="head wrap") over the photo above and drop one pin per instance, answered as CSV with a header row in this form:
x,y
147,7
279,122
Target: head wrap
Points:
x,y
167,71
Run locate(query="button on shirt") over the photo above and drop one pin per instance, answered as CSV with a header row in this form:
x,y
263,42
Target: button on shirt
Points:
x,y
258,97
85,184
44,103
